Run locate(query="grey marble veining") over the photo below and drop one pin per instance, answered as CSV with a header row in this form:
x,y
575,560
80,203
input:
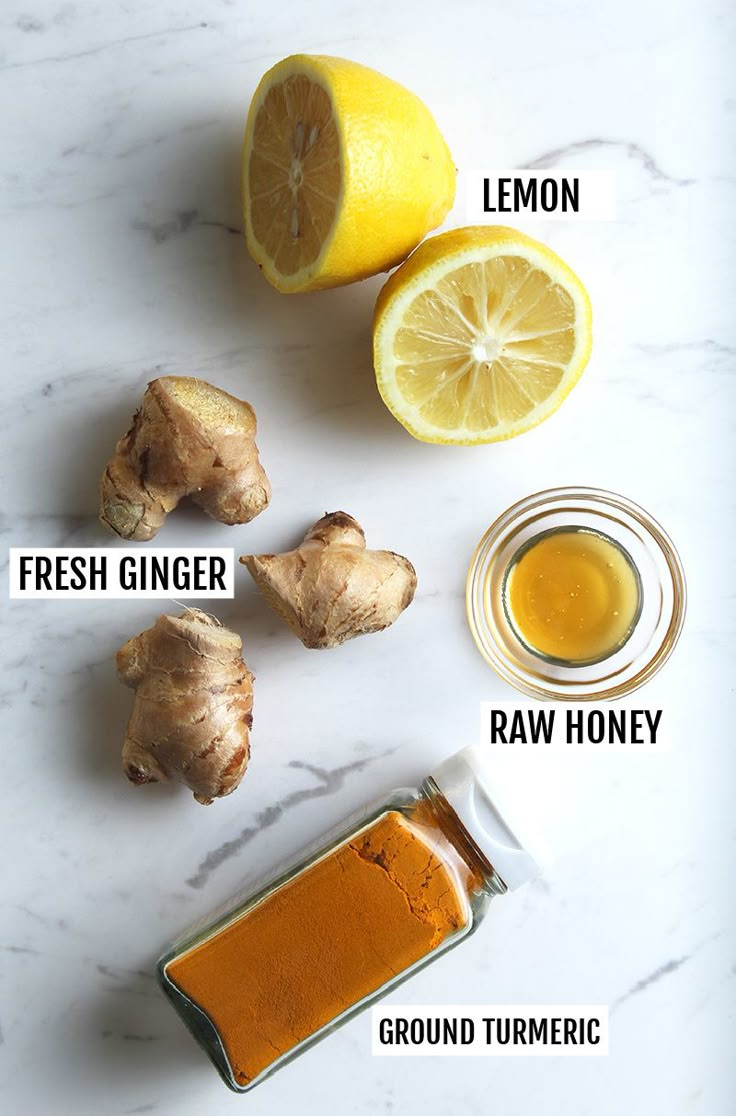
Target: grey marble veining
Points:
x,y
123,260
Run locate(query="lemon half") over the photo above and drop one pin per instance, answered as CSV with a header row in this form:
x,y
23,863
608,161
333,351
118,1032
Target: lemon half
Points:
x,y
344,173
479,336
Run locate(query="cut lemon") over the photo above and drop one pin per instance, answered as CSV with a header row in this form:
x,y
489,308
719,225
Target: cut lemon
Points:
x,y
344,172
479,336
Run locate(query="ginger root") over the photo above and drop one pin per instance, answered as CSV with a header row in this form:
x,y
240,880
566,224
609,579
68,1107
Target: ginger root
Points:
x,y
192,713
187,439
331,589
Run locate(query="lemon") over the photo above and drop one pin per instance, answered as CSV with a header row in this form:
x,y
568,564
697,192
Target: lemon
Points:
x,y
344,172
479,336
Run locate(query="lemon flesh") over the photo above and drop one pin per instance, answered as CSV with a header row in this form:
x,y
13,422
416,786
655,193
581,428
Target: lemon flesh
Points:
x,y
294,174
344,173
479,336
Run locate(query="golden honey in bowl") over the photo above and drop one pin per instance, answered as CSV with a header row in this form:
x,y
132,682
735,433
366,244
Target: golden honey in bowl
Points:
x,y
572,595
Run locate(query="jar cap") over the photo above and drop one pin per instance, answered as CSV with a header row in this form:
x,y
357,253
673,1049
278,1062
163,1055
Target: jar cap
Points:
x,y
467,784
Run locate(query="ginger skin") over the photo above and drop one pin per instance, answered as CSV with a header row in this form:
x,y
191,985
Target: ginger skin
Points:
x,y
187,439
331,589
193,705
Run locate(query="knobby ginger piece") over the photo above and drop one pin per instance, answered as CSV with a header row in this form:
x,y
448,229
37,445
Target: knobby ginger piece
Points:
x,y
193,705
187,439
331,588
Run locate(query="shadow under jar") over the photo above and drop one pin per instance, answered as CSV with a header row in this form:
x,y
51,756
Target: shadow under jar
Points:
x,y
576,594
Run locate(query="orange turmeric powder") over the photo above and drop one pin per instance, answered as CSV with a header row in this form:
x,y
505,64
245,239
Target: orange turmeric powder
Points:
x,y
324,940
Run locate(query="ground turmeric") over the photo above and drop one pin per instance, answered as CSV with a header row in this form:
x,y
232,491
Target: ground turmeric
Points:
x,y
400,885
316,946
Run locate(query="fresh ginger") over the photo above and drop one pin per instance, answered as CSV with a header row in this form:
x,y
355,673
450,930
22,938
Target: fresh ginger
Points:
x,y
193,705
331,588
187,439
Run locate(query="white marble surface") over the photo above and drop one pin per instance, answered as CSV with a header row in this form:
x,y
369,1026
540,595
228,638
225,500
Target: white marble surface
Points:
x,y
121,260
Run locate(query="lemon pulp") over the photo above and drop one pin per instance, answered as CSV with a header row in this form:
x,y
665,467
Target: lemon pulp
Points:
x,y
572,595
485,345
293,173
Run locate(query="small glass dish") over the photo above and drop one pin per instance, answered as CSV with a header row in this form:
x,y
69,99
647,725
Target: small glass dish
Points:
x,y
654,631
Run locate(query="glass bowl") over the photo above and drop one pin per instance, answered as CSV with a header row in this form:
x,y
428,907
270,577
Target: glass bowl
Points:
x,y
655,629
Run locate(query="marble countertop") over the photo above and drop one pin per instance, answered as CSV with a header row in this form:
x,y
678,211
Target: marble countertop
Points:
x,y
123,259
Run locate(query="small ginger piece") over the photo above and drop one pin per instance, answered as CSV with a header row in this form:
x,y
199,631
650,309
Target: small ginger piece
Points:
x,y
187,439
193,705
331,589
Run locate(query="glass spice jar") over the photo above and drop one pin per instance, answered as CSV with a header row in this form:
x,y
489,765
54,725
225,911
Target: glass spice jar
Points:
x,y
399,884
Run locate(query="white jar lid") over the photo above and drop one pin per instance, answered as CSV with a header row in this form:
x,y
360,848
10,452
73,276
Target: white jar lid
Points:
x,y
496,826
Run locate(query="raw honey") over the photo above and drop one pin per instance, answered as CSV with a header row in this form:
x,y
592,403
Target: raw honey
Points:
x,y
572,595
